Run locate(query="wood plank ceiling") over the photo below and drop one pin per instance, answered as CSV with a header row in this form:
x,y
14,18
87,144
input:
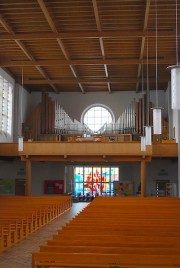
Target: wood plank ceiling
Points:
x,y
88,45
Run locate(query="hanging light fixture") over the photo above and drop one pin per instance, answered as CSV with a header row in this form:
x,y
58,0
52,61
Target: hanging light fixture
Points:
x,y
143,143
143,138
20,139
148,134
20,144
157,129
175,74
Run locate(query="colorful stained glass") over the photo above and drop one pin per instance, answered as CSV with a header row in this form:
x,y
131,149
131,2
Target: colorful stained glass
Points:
x,y
88,188
78,174
79,188
95,180
106,189
106,174
88,174
114,174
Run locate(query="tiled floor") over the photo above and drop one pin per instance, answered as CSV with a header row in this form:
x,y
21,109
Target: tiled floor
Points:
x,y
19,256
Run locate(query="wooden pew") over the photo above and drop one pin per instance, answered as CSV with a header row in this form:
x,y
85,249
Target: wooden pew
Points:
x,y
21,216
117,232
114,241
50,259
111,250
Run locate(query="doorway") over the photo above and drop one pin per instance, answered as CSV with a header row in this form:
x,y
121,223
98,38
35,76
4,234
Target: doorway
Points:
x,y
161,188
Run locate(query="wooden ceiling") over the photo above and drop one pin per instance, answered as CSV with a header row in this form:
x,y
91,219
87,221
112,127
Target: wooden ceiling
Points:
x,y
88,45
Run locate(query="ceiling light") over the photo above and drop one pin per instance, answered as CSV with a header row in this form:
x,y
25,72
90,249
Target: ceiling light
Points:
x,y
156,110
175,75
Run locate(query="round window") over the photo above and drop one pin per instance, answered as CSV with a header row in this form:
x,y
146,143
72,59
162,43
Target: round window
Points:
x,y
96,118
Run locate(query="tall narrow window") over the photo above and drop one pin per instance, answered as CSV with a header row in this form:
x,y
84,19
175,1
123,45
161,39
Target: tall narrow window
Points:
x,y
5,106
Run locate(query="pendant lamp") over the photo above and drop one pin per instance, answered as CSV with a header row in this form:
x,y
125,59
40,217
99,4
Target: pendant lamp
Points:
x,y
143,138
157,129
143,143
20,144
175,74
157,126
20,139
148,132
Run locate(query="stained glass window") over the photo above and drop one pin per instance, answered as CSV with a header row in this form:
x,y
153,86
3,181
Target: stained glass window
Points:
x,y
95,180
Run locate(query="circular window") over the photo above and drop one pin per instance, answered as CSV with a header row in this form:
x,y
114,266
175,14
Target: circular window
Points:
x,y
97,117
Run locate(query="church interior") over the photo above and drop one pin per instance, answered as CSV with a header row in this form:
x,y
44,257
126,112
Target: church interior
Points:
x,y
89,133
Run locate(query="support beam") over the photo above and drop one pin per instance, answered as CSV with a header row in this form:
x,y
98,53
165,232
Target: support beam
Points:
x,y
28,177
25,51
98,24
8,63
143,39
170,33
85,158
120,80
59,41
143,178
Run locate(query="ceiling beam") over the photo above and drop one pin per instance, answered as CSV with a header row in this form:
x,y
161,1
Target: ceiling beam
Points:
x,y
25,51
60,43
47,15
85,158
120,80
9,63
93,34
148,2
98,24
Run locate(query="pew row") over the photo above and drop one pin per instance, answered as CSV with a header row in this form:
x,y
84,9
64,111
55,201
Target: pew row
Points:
x,y
21,216
117,232
50,259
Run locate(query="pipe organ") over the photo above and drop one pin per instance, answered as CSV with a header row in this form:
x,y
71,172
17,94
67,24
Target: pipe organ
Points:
x,y
143,116
50,118
54,119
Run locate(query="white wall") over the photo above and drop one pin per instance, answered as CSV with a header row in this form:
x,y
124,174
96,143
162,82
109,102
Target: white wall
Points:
x,y
42,171
157,169
161,169
11,169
